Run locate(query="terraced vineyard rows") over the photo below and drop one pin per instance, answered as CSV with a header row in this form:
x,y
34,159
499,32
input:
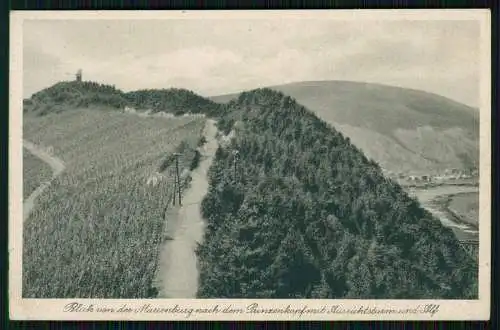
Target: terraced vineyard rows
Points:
x,y
35,172
97,230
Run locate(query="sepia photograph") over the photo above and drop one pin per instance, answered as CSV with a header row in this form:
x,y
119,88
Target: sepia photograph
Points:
x,y
303,165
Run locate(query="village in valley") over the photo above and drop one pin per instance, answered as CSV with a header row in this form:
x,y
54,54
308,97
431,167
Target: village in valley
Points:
x,y
448,176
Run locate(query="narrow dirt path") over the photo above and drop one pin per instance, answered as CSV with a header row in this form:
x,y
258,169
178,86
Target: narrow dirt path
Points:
x,y
57,166
178,270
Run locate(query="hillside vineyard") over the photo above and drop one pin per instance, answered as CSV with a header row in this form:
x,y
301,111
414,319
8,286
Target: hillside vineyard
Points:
x,y
35,172
293,209
97,230
302,213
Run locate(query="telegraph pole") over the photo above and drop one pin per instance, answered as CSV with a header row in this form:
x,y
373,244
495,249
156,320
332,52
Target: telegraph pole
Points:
x,y
177,181
235,159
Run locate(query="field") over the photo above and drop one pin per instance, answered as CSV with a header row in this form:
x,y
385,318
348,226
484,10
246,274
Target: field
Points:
x,y
466,207
35,172
97,230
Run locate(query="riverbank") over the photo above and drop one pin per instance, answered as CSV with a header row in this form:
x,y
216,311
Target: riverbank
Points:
x,y
466,207
437,201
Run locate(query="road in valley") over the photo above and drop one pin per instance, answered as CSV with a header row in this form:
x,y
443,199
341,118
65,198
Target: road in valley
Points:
x,y
178,269
55,164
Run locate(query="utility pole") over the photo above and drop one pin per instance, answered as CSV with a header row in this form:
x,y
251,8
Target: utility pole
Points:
x,y
235,159
177,181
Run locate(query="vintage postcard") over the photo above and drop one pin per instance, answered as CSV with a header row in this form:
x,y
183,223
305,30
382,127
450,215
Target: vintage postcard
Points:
x,y
250,165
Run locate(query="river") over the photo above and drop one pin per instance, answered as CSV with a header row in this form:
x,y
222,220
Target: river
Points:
x,y
432,199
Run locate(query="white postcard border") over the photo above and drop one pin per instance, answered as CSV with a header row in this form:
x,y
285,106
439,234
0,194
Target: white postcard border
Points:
x,y
53,309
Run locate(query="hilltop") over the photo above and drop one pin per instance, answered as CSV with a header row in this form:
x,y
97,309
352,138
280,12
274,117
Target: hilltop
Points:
x,y
173,100
74,94
65,95
302,213
405,131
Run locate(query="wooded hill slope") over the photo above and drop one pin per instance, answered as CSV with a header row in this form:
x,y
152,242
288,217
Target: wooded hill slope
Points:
x,y
302,213
73,94
404,130
67,95
171,100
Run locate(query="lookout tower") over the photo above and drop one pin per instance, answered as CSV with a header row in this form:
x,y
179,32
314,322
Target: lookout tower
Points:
x,y
79,75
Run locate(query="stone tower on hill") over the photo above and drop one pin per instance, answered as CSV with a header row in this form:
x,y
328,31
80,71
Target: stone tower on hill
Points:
x,y
79,75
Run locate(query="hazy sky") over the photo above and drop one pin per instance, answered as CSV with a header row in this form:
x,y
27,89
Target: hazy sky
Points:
x,y
213,57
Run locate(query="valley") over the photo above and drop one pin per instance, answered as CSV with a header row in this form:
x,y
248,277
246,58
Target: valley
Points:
x,y
288,205
426,143
303,210
409,133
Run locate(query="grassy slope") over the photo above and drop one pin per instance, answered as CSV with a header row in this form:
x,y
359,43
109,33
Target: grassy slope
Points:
x,y
35,171
97,230
403,130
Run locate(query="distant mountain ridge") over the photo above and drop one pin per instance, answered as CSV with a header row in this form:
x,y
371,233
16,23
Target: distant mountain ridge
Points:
x,y
404,130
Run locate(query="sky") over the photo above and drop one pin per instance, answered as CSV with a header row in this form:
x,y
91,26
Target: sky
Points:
x,y
221,56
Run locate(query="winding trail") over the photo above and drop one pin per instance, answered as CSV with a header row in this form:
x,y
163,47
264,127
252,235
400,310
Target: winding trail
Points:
x,y
177,268
57,167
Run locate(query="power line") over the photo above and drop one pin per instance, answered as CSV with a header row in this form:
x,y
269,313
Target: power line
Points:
x,y
235,160
177,181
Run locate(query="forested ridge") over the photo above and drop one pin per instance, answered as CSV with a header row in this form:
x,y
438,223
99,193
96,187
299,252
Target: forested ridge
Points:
x,y
75,94
300,212
173,100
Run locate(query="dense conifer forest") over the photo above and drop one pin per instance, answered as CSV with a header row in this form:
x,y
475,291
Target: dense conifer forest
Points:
x,y
174,100
74,94
300,212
